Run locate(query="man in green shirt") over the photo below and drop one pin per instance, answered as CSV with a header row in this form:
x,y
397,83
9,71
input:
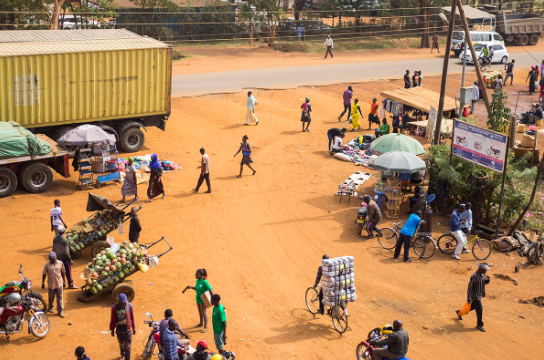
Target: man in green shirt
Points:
x,y
219,321
383,129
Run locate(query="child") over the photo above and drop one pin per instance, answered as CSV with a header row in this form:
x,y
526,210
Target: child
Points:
x,y
305,117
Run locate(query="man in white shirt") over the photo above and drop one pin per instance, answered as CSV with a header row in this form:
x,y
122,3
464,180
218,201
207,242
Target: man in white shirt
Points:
x,y
475,96
330,45
56,218
337,147
250,107
204,172
466,219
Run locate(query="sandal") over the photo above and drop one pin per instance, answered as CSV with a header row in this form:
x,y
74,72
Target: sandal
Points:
x,y
239,176
203,331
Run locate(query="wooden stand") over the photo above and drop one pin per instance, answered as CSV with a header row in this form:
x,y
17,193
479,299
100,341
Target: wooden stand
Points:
x,y
392,190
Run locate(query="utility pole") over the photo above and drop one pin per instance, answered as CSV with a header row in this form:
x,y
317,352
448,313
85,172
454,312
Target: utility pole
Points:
x,y
461,104
447,52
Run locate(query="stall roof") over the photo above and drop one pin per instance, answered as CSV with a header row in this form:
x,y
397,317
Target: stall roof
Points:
x,y
420,98
470,12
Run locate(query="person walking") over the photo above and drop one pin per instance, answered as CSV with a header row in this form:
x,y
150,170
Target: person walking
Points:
x,y
355,115
373,115
383,129
55,274
330,45
509,67
419,79
155,180
466,219
475,96
200,353
62,249
170,342
317,280
251,102
80,353
204,172
202,285
334,132
122,322
532,79
129,187
299,33
406,234
475,293
305,117
219,322
135,226
455,229
56,217
435,43
397,344
245,148
374,216
407,83
348,94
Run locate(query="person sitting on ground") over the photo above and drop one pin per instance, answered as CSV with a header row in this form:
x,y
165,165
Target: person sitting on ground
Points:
x,y
317,280
383,129
337,146
397,344
334,132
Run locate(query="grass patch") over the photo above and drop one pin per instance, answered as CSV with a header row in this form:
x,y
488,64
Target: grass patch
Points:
x,y
178,55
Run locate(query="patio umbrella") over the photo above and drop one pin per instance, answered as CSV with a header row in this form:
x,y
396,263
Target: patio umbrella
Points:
x,y
394,142
399,161
85,135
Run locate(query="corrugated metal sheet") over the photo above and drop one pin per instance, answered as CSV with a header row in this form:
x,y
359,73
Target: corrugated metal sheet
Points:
x,y
18,36
55,84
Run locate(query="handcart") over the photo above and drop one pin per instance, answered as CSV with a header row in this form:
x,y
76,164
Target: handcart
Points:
x,y
116,283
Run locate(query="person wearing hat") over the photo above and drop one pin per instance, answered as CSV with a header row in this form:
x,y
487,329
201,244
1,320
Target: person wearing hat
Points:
x,y
62,249
475,293
305,117
80,353
56,217
55,274
122,322
200,353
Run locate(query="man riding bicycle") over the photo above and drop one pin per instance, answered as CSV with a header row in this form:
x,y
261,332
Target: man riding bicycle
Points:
x,y
317,280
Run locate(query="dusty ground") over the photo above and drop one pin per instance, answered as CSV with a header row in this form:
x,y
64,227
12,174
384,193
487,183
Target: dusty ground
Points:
x,y
261,239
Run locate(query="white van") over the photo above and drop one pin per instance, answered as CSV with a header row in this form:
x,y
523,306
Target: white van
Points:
x,y
481,37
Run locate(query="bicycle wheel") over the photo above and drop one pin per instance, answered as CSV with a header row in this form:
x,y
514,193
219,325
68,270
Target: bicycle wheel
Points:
x,y
339,319
447,243
389,238
312,300
424,247
362,352
481,249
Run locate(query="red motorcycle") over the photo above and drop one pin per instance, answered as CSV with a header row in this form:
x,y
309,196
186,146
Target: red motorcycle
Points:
x,y
23,288
365,351
15,310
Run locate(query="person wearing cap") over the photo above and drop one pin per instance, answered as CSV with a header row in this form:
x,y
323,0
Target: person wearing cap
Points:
x,y
200,353
305,118
56,217
397,344
62,249
55,274
122,322
170,342
475,293
168,313
219,321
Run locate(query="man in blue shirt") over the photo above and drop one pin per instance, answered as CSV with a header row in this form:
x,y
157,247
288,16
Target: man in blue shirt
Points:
x,y
406,234
455,229
169,341
299,33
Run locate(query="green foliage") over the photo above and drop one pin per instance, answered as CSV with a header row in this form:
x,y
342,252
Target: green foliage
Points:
x,y
25,14
499,116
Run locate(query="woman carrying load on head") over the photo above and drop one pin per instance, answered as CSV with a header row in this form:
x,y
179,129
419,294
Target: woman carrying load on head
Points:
x,y
155,180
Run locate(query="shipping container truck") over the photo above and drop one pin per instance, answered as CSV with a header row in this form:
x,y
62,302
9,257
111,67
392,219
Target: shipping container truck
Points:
x,y
519,28
52,81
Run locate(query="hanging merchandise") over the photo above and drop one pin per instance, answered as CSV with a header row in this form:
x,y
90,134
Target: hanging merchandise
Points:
x,y
337,281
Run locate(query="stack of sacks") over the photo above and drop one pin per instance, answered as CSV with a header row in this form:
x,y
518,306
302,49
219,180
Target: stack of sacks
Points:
x,y
337,281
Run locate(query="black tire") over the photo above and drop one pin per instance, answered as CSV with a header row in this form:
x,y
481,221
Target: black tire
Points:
x,y
38,303
447,243
8,182
483,252
481,63
389,238
524,40
362,352
533,39
504,59
148,348
36,177
132,139
98,247
126,289
312,300
424,247
339,319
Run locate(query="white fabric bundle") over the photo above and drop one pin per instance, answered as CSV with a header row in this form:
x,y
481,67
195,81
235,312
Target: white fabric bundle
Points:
x,y
338,281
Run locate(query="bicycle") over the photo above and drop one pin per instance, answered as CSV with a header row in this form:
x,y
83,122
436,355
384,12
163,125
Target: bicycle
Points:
x,y
388,235
338,313
481,248
424,245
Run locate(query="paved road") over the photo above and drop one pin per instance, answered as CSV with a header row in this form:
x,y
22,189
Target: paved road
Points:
x,y
292,77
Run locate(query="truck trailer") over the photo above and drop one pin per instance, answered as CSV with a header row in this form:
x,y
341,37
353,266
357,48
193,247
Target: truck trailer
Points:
x,y
54,80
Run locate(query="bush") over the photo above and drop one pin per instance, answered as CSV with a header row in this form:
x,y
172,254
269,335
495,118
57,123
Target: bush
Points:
x,y
177,55
291,47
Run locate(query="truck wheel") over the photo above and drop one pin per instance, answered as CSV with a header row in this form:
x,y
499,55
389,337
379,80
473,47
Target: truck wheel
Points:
x,y
126,289
36,177
132,139
98,247
533,39
524,40
8,182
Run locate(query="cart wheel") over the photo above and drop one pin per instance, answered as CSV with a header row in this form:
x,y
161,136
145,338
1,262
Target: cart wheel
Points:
x,y
82,298
98,247
126,289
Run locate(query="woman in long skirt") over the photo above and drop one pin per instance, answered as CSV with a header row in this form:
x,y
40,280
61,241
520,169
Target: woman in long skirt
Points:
x,y
532,79
245,148
155,181
129,185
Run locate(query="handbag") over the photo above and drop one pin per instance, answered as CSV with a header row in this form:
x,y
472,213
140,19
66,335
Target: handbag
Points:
x,y
464,310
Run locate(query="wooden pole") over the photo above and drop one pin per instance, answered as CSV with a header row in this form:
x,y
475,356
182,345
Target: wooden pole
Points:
x,y
447,52
502,190
513,123
474,57
534,149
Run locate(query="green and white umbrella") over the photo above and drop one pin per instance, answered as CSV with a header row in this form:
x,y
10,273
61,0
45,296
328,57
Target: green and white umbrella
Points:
x,y
395,142
399,161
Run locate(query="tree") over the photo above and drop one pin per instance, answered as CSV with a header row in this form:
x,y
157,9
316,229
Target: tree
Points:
x,y
268,12
499,116
57,7
24,14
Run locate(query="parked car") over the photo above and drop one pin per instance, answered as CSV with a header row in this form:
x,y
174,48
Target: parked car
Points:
x,y
501,54
68,22
481,37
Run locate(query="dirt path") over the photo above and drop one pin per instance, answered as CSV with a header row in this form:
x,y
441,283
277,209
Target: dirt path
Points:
x,y
261,239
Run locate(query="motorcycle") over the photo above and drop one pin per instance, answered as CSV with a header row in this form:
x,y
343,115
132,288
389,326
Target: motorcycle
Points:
x,y
15,310
484,63
23,288
365,351
495,152
361,216
154,339
461,141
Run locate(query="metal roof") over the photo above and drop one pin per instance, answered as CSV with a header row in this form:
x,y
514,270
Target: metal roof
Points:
x,y
18,36
470,12
419,98
58,47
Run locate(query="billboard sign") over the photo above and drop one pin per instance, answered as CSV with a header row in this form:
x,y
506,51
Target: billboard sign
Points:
x,y
480,146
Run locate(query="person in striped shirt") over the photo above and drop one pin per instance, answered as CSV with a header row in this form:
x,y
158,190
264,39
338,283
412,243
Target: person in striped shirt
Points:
x,y
475,293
